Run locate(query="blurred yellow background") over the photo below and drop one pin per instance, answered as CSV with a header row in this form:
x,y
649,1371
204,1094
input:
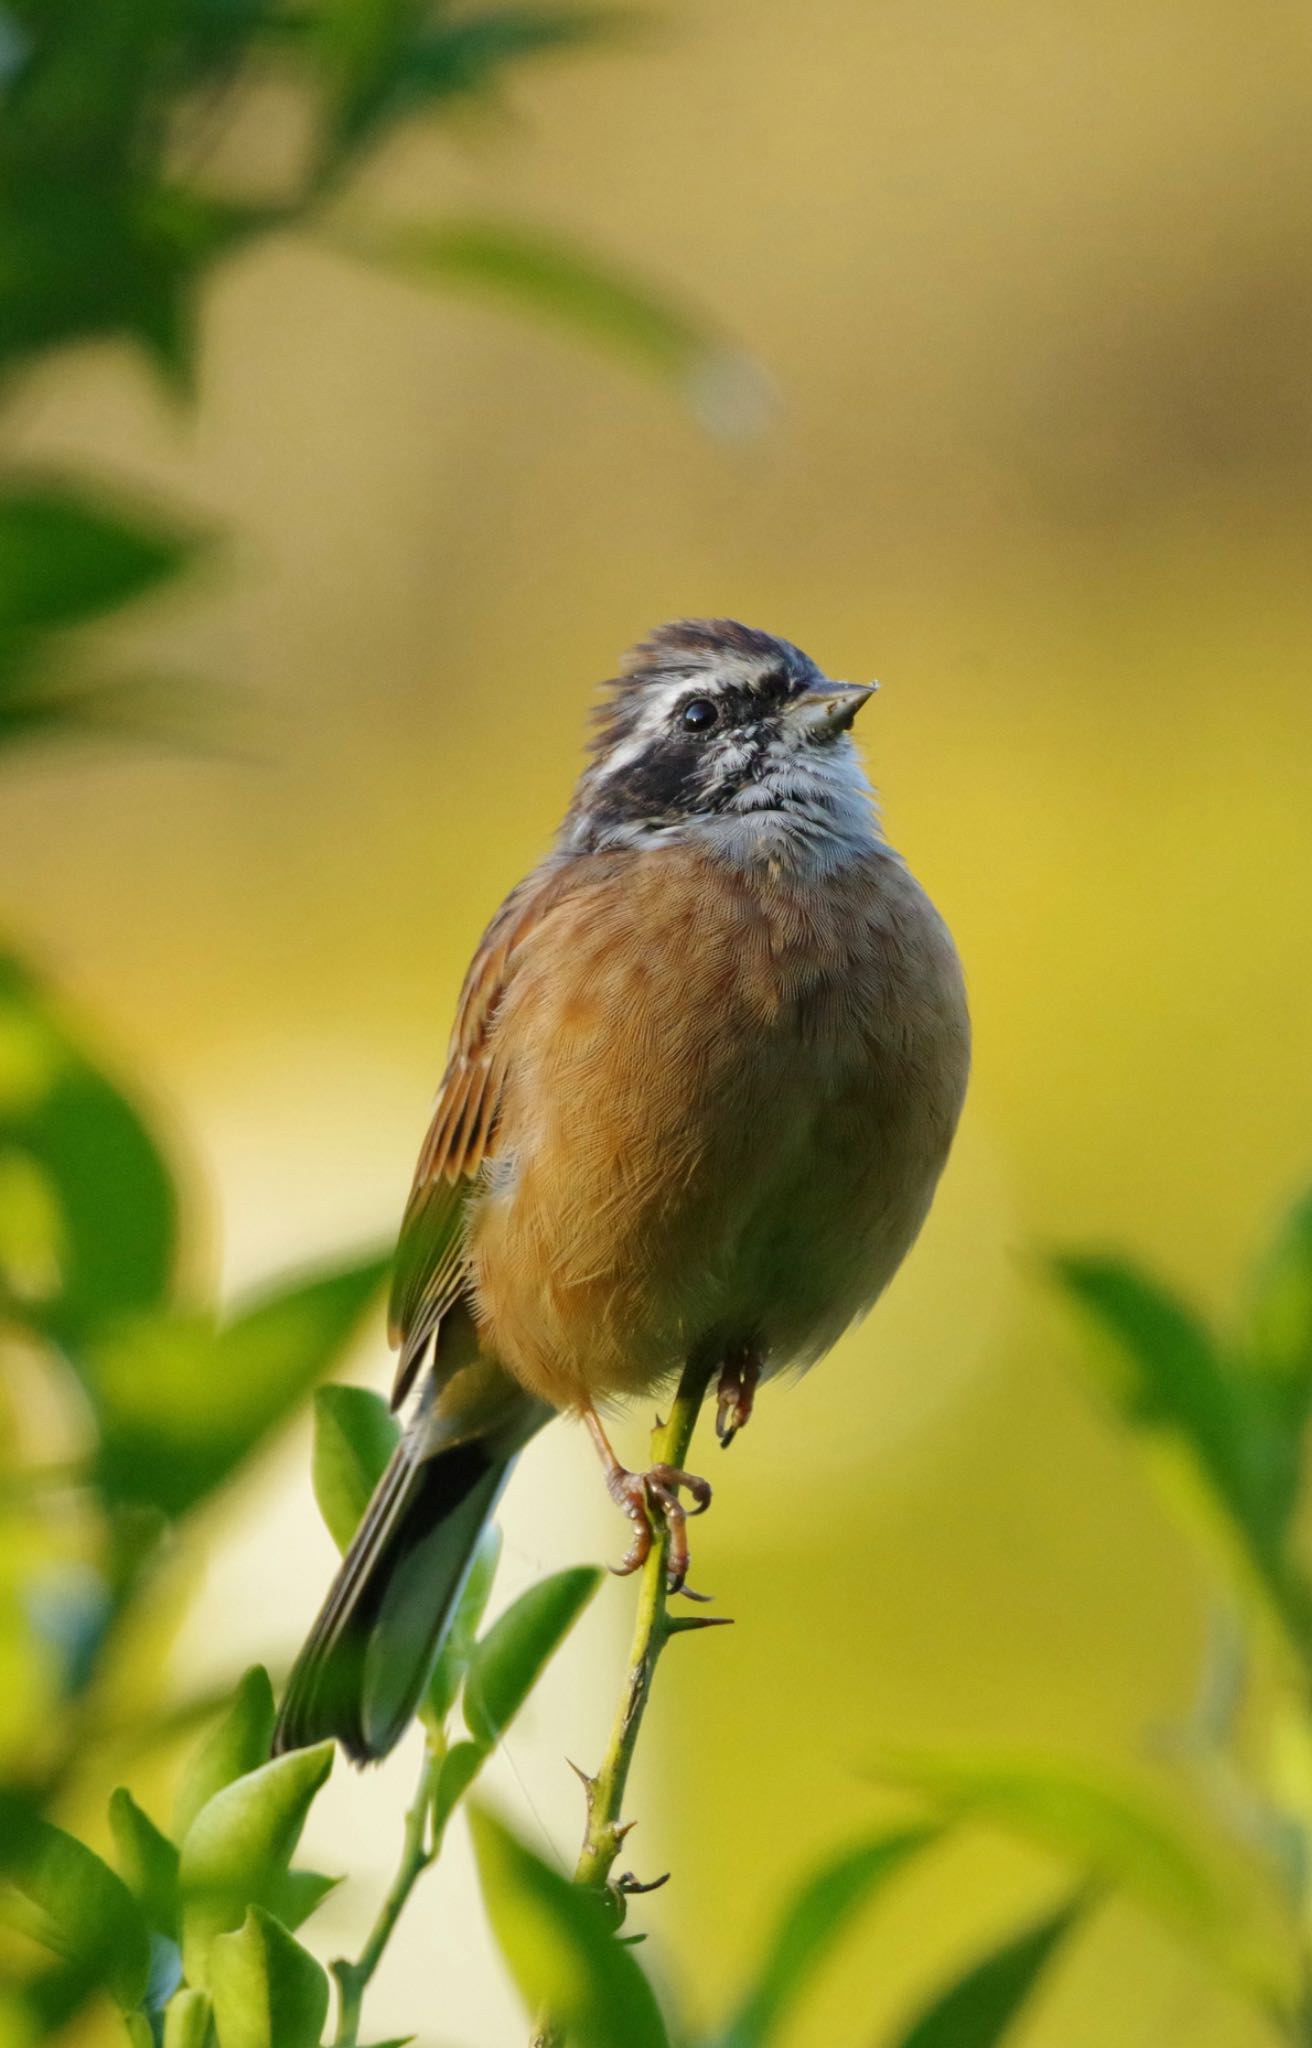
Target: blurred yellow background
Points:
x,y
1032,289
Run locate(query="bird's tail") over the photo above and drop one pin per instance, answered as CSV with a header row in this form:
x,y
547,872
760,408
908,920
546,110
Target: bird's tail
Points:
x,y
362,1672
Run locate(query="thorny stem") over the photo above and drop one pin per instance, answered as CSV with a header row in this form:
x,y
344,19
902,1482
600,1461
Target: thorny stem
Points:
x,y
653,1627
419,1847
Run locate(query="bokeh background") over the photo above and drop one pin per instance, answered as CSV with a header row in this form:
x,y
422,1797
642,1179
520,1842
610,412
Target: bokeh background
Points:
x,y
1030,438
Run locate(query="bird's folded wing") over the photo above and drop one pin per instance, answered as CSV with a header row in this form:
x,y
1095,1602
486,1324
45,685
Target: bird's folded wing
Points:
x,y
430,1270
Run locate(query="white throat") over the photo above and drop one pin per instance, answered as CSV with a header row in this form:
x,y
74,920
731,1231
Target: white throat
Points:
x,y
811,810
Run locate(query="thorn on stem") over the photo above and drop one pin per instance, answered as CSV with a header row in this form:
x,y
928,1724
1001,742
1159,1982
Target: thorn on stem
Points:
x,y
681,1624
629,1884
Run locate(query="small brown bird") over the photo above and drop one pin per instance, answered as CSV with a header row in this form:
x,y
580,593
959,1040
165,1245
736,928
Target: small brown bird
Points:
x,y
705,1072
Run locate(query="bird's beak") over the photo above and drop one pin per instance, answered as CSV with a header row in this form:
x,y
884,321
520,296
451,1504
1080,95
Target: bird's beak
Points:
x,y
825,712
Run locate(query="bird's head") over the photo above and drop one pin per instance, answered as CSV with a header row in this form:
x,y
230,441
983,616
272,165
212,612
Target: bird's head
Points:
x,y
716,732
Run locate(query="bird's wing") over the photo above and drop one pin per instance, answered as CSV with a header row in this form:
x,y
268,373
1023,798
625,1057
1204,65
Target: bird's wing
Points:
x,y
430,1270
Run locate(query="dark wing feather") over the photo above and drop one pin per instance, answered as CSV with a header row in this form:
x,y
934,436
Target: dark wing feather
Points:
x,y
430,1271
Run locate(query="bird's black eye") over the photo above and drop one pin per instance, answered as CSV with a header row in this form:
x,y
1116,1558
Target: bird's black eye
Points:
x,y
699,714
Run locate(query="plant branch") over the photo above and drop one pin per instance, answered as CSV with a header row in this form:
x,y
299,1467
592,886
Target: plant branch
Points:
x,y
419,1847
653,1627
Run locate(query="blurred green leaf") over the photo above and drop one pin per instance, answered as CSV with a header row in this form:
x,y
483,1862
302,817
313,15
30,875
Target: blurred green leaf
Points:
x,y
1278,1334
813,1925
68,555
239,1744
460,1766
449,1671
391,58
187,2021
40,697
1169,1379
268,1991
536,272
1116,1834
181,1404
979,2009
113,1189
505,1665
561,1951
79,261
239,1846
1077,1811
147,1861
355,1434
83,1912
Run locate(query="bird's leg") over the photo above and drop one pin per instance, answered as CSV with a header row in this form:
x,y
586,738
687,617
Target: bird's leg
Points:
x,y
641,1494
736,1393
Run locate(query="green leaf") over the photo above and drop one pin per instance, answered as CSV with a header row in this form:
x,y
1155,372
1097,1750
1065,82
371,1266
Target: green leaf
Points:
x,y
813,1925
460,1766
181,1404
268,1991
355,1434
111,1187
386,59
68,555
187,2020
1169,1379
560,1948
147,1860
83,1912
449,1671
1075,1810
240,1743
505,1666
978,2010
40,699
299,1894
532,271
236,1851
1278,1344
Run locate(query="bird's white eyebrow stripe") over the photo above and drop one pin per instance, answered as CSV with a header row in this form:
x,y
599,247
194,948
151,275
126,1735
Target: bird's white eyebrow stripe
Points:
x,y
659,699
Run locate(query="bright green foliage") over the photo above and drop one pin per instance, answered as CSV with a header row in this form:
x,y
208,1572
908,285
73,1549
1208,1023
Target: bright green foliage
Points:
x,y
977,2011
182,1401
355,1434
84,1913
267,1991
240,1743
238,1849
187,2021
114,1208
561,1947
813,1925
505,1666
147,1861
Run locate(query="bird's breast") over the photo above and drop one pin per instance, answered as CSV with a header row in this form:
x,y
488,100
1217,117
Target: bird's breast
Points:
x,y
727,1099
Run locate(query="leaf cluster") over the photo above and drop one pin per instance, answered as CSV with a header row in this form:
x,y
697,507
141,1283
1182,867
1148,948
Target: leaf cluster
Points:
x,y
124,190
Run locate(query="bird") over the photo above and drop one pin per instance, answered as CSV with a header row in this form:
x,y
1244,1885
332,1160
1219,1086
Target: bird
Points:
x,y
705,1072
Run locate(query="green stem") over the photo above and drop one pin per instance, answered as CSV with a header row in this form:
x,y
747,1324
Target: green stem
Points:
x,y
419,1847
653,1628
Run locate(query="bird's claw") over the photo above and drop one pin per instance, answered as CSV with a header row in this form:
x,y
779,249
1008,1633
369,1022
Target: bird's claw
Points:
x,y
735,1395
656,1492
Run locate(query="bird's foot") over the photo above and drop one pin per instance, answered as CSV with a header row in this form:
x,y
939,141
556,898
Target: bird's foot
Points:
x,y
736,1394
643,1495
